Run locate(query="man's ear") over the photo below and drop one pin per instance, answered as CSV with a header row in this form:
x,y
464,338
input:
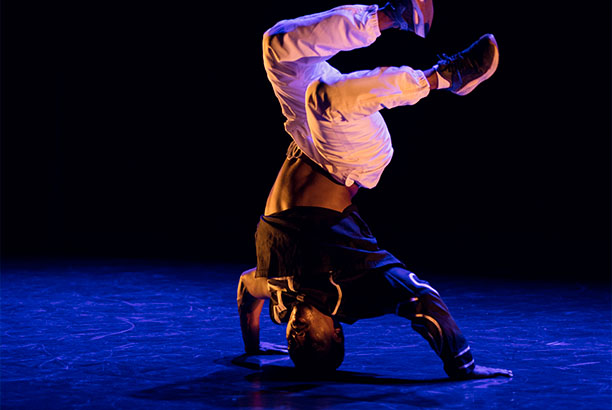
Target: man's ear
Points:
x,y
338,332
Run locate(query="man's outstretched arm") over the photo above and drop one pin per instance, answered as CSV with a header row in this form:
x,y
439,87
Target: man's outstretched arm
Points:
x,y
252,292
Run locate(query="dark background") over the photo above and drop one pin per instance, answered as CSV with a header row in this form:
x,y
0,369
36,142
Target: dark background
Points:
x,y
148,129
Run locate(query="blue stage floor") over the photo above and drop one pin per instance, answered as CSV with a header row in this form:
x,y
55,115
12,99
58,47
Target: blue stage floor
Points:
x,y
146,336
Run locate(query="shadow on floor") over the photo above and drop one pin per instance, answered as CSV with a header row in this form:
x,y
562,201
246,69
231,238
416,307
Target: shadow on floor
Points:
x,y
248,382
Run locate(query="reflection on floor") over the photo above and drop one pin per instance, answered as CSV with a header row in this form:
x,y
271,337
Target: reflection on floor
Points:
x,y
130,335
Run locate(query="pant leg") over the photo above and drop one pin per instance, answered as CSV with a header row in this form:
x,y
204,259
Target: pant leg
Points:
x,y
318,37
350,97
348,132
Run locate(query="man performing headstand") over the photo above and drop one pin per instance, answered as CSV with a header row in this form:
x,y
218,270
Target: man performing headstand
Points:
x,y
317,260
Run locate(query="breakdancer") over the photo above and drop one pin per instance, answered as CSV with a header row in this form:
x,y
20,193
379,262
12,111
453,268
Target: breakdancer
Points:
x,y
317,261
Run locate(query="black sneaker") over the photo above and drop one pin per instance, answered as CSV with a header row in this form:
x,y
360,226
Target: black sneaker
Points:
x,y
465,70
410,15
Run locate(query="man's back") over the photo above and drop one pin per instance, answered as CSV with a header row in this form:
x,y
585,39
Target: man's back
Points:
x,y
302,183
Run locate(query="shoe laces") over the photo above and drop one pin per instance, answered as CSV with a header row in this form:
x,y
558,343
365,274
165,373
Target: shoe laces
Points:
x,y
449,64
452,60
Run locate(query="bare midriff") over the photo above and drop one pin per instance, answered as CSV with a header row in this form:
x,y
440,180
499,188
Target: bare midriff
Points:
x,y
300,183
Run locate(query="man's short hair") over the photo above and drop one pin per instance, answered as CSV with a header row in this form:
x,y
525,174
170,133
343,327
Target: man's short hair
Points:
x,y
316,354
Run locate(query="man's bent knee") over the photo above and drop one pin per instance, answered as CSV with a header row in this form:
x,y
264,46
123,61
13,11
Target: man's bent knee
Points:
x,y
320,102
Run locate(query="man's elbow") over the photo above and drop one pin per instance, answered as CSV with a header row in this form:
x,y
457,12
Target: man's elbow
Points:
x,y
243,287
257,287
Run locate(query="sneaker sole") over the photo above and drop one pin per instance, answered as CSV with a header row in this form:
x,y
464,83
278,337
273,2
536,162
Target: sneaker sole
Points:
x,y
469,87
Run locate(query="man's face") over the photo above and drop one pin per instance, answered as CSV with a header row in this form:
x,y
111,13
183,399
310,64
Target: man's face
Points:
x,y
308,325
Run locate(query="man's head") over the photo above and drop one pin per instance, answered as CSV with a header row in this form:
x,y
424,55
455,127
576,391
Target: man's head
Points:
x,y
315,340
